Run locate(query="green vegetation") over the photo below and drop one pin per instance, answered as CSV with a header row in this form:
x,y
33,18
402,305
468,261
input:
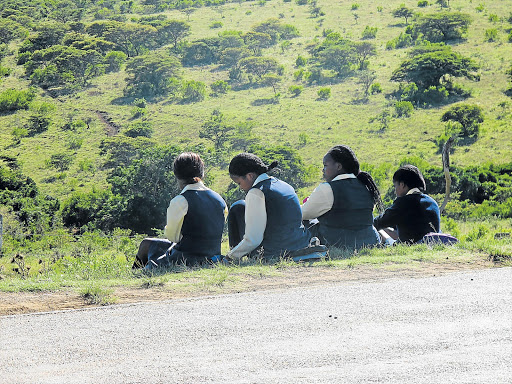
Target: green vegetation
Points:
x,y
96,99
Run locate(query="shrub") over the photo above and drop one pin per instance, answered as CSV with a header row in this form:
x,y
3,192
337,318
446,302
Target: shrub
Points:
x,y
480,8
493,18
354,7
324,93
60,161
510,37
114,60
423,3
216,24
295,90
301,61
4,71
220,86
491,34
138,129
12,99
403,109
193,91
375,88
370,32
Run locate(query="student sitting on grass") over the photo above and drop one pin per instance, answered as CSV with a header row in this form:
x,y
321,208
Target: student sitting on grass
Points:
x,y
269,217
343,206
195,221
413,213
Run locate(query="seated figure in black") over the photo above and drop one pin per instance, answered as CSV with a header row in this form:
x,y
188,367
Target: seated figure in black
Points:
x,y
195,221
413,213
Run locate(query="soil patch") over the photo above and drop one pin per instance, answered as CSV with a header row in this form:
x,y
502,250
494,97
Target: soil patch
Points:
x,y
31,302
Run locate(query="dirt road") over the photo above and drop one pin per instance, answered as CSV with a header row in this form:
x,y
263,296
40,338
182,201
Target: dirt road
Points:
x,y
453,328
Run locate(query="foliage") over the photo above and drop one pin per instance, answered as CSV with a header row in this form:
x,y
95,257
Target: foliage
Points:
x,y
403,109
139,128
443,26
12,99
220,87
276,30
259,66
217,130
114,60
426,69
40,117
11,30
369,32
20,195
324,93
291,167
295,90
193,91
423,3
468,116
150,75
375,88
491,35
404,12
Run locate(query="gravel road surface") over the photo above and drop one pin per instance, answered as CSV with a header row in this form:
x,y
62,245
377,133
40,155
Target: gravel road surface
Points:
x,y
455,328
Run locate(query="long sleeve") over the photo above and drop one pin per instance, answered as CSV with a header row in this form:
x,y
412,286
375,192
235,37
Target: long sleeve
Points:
x,y
391,217
255,224
178,208
319,202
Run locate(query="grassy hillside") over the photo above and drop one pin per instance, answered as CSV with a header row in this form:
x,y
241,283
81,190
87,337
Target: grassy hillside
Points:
x,y
341,119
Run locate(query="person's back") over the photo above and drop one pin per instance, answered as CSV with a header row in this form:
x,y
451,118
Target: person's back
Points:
x,y
203,224
284,230
413,213
349,222
343,205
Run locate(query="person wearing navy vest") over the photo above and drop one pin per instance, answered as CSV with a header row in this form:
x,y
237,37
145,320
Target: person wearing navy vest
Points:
x,y
195,221
413,213
269,218
342,207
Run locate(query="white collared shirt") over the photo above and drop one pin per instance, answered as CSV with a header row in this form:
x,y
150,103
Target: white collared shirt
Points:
x,y
413,191
178,208
255,221
321,199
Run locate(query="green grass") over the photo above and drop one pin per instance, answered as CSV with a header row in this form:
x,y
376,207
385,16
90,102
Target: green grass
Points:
x,y
340,119
97,265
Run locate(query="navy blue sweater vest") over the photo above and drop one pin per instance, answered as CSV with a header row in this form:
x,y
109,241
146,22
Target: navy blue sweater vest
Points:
x,y
284,230
351,210
203,224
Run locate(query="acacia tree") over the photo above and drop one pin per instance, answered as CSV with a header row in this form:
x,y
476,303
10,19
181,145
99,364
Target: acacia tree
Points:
x,y
362,51
468,116
426,69
217,130
260,66
444,26
404,12
151,74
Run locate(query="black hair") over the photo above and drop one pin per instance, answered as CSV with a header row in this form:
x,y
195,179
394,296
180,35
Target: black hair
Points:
x,y
411,176
344,155
244,163
189,167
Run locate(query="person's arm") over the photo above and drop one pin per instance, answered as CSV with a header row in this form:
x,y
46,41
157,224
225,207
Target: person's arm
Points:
x,y
391,216
178,208
319,202
255,224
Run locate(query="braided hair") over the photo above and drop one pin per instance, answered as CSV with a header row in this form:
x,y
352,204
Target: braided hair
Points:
x,y
344,155
189,167
244,163
411,176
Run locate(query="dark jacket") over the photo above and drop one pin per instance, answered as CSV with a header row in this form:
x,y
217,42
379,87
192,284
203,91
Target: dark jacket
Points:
x,y
413,215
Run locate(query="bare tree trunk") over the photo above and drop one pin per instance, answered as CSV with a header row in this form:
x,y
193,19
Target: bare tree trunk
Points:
x,y
446,169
